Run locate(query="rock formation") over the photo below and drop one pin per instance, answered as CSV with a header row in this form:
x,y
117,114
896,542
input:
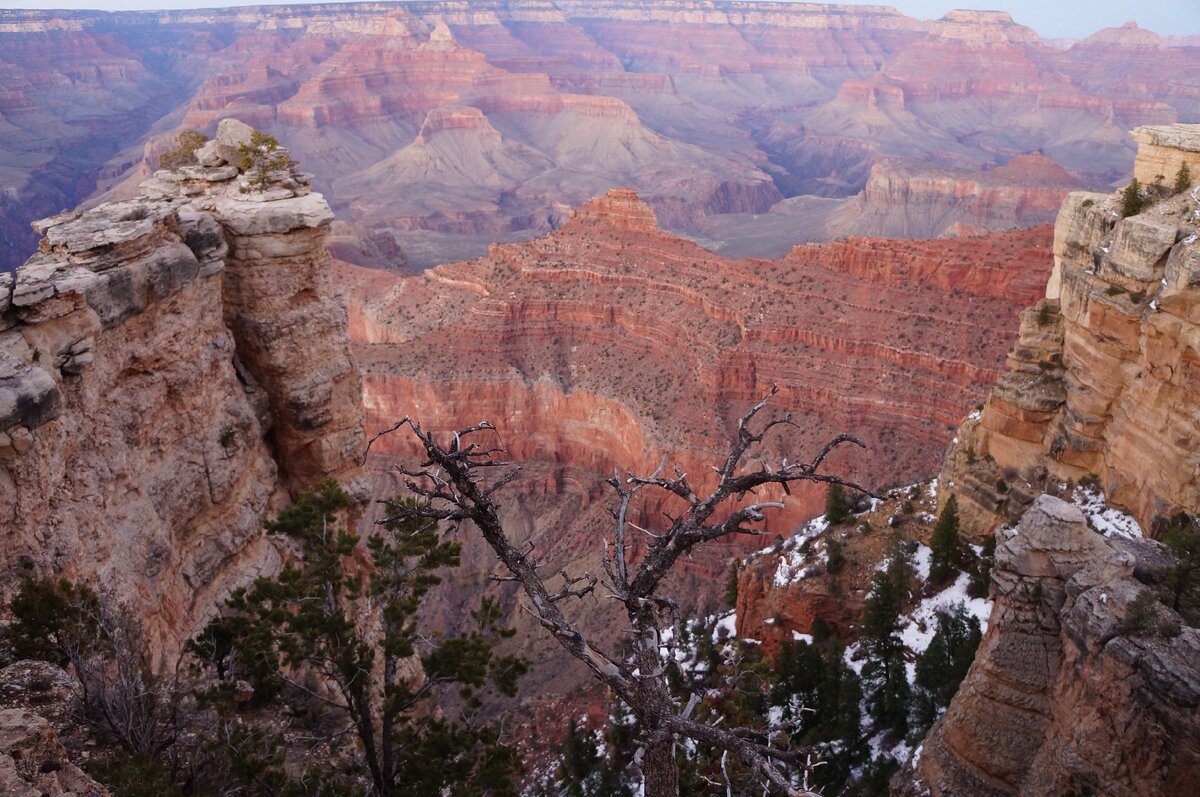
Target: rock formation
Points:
x,y
1163,150
608,343
501,116
1104,379
171,368
39,702
1063,697
917,201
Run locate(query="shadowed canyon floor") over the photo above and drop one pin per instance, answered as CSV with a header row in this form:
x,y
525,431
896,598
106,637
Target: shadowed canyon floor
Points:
x,y
610,343
437,128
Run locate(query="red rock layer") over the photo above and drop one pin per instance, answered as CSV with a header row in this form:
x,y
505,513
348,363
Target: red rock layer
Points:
x,y
609,344
706,110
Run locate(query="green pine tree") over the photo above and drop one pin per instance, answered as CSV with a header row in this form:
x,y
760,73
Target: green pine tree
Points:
x,y
336,629
888,691
1132,201
1183,179
1181,580
946,552
943,665
731,583
837,506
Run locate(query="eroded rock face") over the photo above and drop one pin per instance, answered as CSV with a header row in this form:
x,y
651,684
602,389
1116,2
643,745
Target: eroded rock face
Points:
x,y
609,343
1058,697
171,368
442,127
34,764
1105,379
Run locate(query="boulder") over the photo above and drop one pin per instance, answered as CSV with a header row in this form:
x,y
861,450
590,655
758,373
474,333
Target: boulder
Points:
x,y
232,134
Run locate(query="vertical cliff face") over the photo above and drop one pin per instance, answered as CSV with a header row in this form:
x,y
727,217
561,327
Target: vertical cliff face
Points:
x,y
1104,381
1059,699
170,368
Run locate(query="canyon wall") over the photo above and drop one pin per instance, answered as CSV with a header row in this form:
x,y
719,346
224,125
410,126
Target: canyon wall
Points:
x,y
172,368
609,343
1104,379
1064,697
499,117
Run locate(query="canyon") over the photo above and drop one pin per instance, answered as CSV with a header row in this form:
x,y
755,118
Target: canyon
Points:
x,y
609,344
747,126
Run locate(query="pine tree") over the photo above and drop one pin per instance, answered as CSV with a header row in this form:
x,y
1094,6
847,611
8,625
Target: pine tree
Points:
x,y
943,665
836,555
981,569
888,693
1132,200
1182,579
837,507
347,628
731,583
1183,179
946,553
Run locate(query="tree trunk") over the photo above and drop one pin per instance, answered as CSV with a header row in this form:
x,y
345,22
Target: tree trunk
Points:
x,y
658,763
659,767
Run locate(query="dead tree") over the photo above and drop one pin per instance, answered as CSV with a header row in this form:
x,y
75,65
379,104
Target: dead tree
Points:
x,y
454,487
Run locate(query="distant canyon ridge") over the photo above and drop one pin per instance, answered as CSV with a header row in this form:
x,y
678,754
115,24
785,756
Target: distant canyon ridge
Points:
x,y
438,128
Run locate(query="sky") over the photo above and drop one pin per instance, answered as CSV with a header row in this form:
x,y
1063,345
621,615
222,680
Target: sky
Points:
x,y
1051,18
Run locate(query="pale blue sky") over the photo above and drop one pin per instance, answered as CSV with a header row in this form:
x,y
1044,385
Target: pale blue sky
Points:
x,y
1051,18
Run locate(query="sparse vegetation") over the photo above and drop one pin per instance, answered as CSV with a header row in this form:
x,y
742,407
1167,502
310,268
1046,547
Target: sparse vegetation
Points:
x,y
1133,201
1183,179
1144,618
261,157
185,152
945,546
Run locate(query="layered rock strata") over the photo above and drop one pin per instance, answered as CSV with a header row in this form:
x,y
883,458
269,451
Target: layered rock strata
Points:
x,y
1163,150
610,343
1105,378
1062,697
499,116
171,368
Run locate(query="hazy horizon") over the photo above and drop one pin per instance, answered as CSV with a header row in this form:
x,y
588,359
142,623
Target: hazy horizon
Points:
x,y
1072,19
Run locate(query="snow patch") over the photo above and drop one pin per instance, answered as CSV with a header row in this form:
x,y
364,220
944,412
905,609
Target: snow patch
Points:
x,y
921,624
1105,519
796,564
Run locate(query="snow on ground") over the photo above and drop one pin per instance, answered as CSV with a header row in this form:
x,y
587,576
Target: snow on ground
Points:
x,y
1108,520
921,561
921,624
796,561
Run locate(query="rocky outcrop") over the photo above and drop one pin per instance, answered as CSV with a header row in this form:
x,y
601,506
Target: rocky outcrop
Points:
x,y
1063,697
40,736
918,201
171,368
34,764
1104,380
1163,150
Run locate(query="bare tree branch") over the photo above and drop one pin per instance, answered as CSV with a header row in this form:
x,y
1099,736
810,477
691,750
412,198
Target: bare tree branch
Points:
x,y
450,488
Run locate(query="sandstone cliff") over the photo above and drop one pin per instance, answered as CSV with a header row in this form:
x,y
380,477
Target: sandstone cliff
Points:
x,y
171,368
1061,697
1105,377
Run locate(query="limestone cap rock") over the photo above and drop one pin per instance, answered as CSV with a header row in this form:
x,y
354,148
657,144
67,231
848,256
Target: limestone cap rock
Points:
x,y
232,134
